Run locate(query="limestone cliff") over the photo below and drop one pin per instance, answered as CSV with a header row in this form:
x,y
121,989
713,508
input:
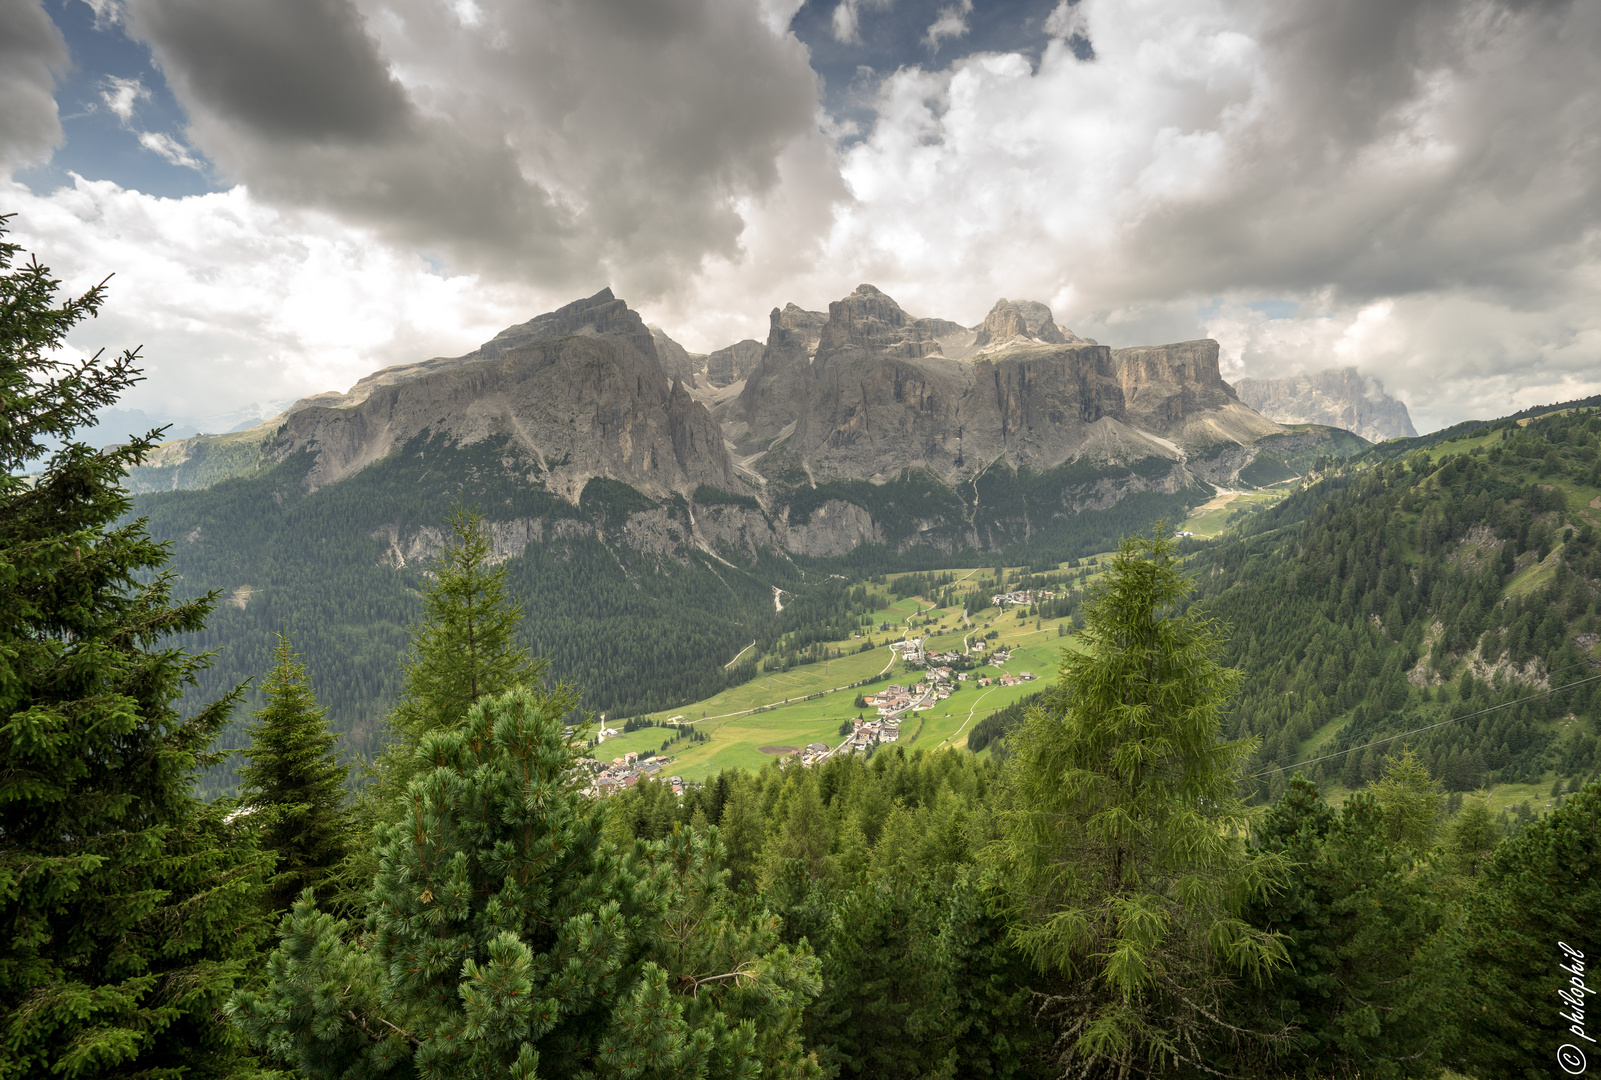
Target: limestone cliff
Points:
x,y
677,361
579,393
733,363
886,392
1336,397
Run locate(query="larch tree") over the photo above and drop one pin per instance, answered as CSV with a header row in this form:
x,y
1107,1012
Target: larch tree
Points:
x,y
128,909
1123,845
295,780
462,649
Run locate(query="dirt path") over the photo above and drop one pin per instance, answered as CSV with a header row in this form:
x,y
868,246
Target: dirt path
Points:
x,y
951,738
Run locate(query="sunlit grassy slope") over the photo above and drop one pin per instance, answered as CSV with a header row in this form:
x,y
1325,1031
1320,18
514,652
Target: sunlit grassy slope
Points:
x,y
808,703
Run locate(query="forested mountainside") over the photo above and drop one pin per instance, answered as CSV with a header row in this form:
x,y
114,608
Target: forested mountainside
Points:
x,y
1452,589
618,593
645,531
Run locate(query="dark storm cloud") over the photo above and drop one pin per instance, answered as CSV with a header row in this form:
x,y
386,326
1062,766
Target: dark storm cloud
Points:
x,y
550,141
1405,147
31,50
294,70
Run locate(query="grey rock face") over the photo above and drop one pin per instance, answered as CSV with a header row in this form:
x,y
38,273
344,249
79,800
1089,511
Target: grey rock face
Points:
x,y
1019,319
1027,319
733,363
677,361
602,313
807,324
884,394
868,321
580,392
1335,397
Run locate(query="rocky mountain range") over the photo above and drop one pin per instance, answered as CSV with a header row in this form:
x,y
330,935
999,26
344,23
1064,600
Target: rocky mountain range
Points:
x,y
1336,397
807,439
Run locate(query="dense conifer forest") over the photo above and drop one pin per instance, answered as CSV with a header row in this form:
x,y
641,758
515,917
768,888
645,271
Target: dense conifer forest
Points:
x,y
1452,590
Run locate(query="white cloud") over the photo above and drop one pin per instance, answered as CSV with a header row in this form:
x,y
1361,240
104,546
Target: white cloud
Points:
x,y
1409,163
952,23
1423,179
847,18
171,149
236,302
1067,20
122,96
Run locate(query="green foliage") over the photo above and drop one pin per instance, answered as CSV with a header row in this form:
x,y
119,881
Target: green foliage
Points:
x,y
1541,891
1369,983
504,936
873,864
129,909
295,781
1474,835
463,648
1122,844
1410,594
1265,469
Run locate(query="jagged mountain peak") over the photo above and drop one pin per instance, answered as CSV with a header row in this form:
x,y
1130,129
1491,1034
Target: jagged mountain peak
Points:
x,y
1019,319
1336,397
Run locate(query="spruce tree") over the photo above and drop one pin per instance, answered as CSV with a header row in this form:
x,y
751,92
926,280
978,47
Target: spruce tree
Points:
x,y
1371,974
1123,844
505,938
462,651
129,909
295,780
1536,905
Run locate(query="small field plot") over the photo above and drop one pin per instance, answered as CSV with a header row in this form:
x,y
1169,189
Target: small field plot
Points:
x,y
1211,518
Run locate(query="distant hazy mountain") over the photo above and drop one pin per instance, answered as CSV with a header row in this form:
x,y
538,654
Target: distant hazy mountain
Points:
x,y
1335,397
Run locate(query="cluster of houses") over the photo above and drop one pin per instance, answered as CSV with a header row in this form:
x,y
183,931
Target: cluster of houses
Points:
x,y
625,772
1022,596
897,699
865,734
1009,680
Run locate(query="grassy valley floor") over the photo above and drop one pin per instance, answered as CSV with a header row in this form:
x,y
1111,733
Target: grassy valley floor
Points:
x,y
751,724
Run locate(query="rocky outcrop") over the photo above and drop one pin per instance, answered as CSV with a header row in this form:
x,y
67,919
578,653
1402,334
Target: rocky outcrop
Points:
x,y
868,321
884,393
580,392
732,364
1336,397
806,325
1028,319
1178,392
677,361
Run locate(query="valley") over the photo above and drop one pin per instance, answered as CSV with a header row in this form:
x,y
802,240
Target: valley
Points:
x,y
684,557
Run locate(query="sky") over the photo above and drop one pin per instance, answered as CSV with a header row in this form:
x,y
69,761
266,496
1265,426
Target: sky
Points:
x,y
294,193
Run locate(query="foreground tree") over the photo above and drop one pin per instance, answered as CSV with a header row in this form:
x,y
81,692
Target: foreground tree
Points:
x,y
295,780
1537,904
128,910
462,651
1124,840
505,938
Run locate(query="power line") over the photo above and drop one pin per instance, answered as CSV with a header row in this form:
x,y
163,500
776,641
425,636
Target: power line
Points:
x,y
1427,727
